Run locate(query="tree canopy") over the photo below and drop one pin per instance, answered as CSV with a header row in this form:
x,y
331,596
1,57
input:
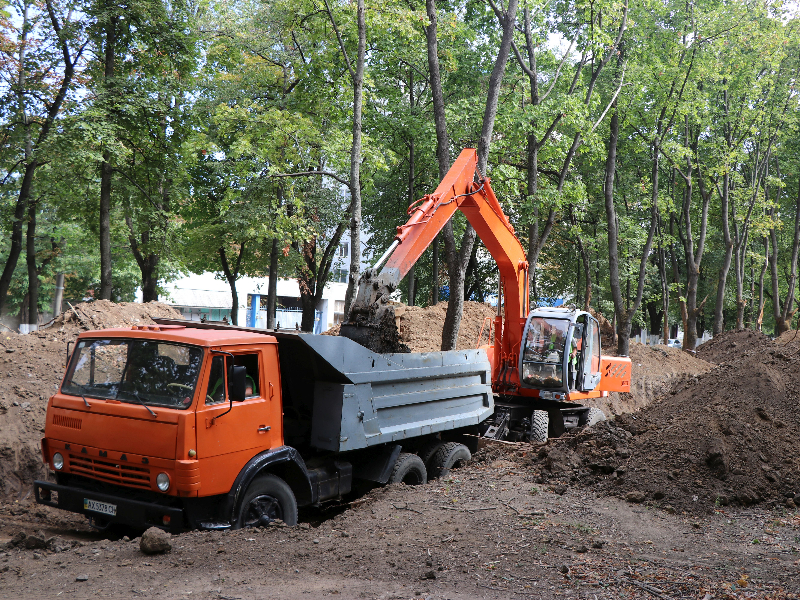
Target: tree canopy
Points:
x,y
646,153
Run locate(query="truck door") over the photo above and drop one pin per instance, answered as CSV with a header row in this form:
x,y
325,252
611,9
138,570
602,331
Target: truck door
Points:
x,y
228,436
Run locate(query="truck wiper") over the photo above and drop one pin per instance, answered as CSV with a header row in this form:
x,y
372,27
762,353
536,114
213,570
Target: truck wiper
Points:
x,y
85,401
140,401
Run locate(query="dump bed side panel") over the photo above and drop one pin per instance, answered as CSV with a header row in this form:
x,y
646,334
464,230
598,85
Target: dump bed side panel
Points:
x,y
359,398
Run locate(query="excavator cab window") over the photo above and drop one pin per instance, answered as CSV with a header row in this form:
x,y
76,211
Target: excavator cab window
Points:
x,y
590,373
543,353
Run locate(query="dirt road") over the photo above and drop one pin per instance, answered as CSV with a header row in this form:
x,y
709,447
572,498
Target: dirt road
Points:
x,y
489,531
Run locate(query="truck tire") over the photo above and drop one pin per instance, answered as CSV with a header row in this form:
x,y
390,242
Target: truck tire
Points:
x,y
427,452
267,498
409,469
540,421
449,456
594,416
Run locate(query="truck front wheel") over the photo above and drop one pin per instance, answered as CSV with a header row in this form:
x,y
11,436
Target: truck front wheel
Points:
x,y
267,498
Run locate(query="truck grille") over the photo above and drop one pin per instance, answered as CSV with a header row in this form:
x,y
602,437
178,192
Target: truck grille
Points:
x,y
71,422
112,472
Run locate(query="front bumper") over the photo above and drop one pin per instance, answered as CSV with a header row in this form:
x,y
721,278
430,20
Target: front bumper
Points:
x,y
128,512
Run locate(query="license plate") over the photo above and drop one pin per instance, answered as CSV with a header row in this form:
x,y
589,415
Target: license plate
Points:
x,y
101,507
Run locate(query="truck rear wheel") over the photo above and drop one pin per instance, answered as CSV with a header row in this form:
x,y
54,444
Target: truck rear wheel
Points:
x,y
449,456
427,451
409,469
267,498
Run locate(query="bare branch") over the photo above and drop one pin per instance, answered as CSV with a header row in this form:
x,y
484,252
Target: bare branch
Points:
x,y
308,173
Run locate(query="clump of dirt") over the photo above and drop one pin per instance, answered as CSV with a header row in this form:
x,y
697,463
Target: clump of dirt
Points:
x,y
728,436
655,371
31,369
732,345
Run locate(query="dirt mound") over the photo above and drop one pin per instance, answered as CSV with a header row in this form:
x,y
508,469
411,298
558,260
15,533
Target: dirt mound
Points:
x,y
421,328
732,345
104,314
656,370
728,436
31,368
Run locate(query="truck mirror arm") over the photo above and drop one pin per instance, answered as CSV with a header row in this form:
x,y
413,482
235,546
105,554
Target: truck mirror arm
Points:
x,y
224,387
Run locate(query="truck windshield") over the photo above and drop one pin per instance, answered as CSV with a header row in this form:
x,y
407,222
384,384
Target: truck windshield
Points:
x,y
543,353
134,371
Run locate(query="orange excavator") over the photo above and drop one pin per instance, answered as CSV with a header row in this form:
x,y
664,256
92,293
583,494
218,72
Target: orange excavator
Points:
x,y
545,362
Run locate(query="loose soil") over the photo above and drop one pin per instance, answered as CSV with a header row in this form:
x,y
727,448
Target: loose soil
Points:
x,y
688,493
490,530
728,436
31,369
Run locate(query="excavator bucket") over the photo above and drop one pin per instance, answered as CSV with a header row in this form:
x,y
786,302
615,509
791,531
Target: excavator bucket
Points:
x,y
372,317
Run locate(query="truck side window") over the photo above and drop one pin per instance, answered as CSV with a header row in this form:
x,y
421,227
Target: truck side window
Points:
x,y
250,362
216,382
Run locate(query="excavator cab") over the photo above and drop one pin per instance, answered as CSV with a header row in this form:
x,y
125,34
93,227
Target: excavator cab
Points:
x,y
560,351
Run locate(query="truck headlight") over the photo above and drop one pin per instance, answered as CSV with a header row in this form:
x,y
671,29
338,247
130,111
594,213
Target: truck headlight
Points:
x,y
58,461
162,481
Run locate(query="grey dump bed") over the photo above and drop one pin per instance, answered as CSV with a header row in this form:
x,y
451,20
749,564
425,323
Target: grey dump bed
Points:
x,y
355,398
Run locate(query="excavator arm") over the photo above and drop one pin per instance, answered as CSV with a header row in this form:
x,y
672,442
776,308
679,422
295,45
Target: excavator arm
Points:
x,y
371,321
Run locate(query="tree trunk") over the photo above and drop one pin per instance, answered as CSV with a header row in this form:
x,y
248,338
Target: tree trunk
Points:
x,y
622,318
760,317
457,258
719,305
777,310
58,296
231,275
150,279
106,173
148,264
308,281
412,284
272,289
30,167
442,139
16,230
32,322
355,163
789,310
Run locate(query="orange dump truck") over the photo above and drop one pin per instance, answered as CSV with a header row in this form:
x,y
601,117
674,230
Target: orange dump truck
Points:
x,y
191,425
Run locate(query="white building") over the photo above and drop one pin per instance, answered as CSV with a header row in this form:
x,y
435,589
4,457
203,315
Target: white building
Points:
x,y
203,296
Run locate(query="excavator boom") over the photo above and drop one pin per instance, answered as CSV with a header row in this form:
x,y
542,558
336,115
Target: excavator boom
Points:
x,y
372,318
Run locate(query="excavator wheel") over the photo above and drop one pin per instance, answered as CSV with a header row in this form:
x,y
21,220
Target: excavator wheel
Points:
x,y
594,416
540,421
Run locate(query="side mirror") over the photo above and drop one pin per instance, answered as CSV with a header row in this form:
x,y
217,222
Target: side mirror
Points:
x,y
237,382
